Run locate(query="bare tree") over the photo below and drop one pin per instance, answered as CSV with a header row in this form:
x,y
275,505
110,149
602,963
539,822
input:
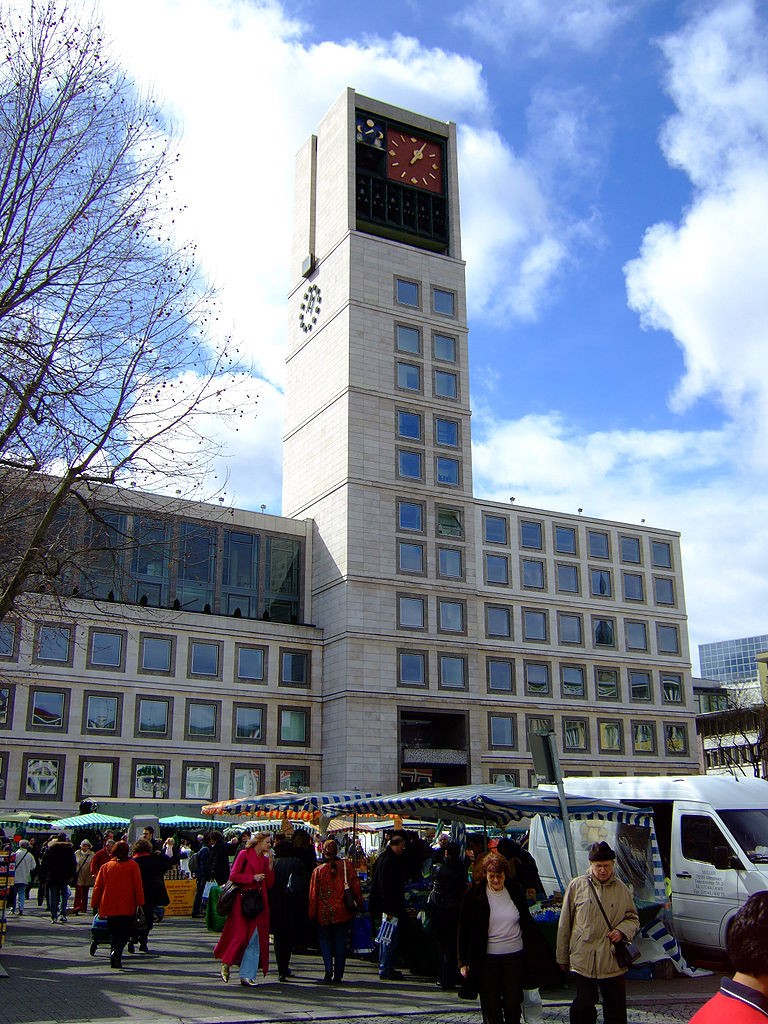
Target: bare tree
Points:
x,y
739,732
107,365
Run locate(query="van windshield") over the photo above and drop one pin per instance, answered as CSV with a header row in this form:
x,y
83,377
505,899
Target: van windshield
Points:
x,y
750,830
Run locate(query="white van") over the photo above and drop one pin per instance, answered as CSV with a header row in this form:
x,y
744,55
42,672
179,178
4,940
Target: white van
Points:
x,y
712,832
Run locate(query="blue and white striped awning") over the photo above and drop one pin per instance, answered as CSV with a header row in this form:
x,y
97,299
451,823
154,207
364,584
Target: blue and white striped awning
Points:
x,y
495,804
92,820
301,805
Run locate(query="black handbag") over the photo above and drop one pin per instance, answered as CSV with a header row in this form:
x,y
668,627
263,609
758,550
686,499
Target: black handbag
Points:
x,y
626,952
226,898
252,902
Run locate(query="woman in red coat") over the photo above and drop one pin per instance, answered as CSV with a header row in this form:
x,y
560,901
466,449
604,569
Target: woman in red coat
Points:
x,y
117,894
327,907
245,941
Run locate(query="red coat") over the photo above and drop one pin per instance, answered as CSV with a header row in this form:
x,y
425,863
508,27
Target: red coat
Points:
x,y
326,892
238,929
118,891
723,1009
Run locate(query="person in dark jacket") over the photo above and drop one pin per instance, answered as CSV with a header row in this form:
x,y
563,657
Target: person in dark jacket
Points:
x,y
524,868
387,900
499,943
219,858
202,873
287,904
450,883
59,868
152,866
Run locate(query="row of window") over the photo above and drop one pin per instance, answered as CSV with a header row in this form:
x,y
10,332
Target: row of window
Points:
x,y
565,541
106,650
410,377
43,777
410,425
408,292
534,625
48,710
501,677
581,735
411,465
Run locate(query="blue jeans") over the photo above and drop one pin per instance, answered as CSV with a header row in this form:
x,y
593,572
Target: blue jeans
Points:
x,y
57,895
249,965
387,951
333,940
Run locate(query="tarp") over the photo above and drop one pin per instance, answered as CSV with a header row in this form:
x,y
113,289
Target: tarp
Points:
x,y
301,806
92,820
185,821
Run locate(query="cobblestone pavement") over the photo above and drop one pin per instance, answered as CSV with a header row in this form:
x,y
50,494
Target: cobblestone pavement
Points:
x,y
50,977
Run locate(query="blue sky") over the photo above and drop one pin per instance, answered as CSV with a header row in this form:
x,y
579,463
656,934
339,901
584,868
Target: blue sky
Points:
x,y
614,185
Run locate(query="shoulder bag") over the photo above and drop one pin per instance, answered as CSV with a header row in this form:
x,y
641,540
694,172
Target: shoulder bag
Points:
x,y
626,952
252,902
350,900
227,898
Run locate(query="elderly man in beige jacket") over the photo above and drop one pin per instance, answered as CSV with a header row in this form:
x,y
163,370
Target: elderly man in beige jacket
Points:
x,y
585,943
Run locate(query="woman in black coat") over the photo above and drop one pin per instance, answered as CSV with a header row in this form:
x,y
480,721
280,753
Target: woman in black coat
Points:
x,y
501,950
287,904
152,867
450,884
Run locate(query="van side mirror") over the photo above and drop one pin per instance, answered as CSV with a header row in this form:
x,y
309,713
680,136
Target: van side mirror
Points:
x,y
724,859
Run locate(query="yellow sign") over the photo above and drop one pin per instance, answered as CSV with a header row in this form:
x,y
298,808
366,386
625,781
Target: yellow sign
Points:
x,y
182,894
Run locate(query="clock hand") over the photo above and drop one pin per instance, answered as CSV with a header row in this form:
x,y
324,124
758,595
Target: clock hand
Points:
x,y
418,154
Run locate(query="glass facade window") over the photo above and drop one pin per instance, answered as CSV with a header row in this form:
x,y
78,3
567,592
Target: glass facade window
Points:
x,y
409,425
407,293
48,709
446,384
534,624
495,529
101,713
569,628
452,672
249,723
600,583
152,717
410,516
637,636
450,522
450,563
497,569
611,735
663,590
567,576
575,735
7,694
7,639
447,471
246,781
672,687
604,632
410,557
106,650
573,681
412,668
240,574
498,621
156,654
630,549
537,678
97,778
501,729
607,683
633,586
500,675
533,573
531,535
150,562
204,659
598,544
667,639
202,720
640,685
409,465
446,432
644,737
102,567
250,663
408,339
199,781
54,644
410,612
675,738
444,302
408,376
42,776
197,567
445,348
294,668
661,552
450,616
565,540
294,726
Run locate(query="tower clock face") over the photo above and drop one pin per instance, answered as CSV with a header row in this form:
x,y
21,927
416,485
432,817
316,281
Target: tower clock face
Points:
x,y
414,161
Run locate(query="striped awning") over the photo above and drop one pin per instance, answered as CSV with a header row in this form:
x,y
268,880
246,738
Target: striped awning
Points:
x,y
92,820
299,806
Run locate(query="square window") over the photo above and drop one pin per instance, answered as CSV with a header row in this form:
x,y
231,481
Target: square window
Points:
x,y
445,348
565,540
450,616
573,681
8,634
408,376
204,659
575,734
410,557
293,778
637,636
502,732
7,694
663,590
42,778
672,687
498,621
198,781
105,649
450,563
569,628
607,682
604,632
497,569
500,675
152,717
534,624
446,432
54,644
450,522
407,293
633,586
408,425
538,725
444,302
101,713
667,639
644,737
452,672
446,384
410,612
630,549
533,573
567,577
97,778
156,654
150,778
511,778
447,471
675,738
639,685
495,529
246,781
48,709
537,678
600,584
249,723
409,465
530,535
598,544
250,663
202,720
408,339
611,735
294,726
294,668
412,668
410,516
662,554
